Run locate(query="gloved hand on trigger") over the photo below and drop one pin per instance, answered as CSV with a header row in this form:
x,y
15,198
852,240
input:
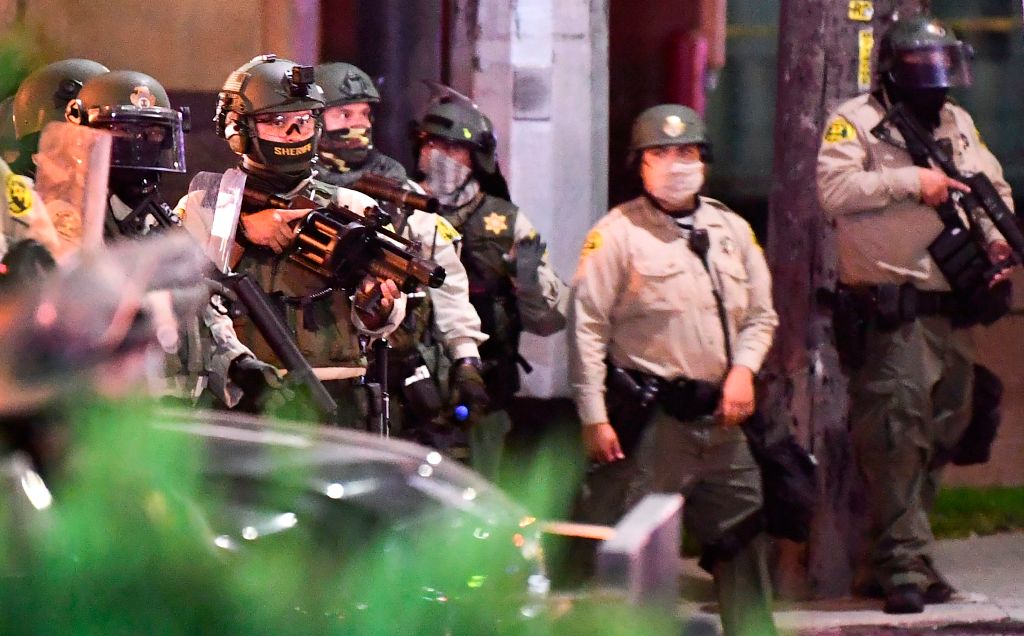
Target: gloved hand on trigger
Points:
x,y
260,382
468,389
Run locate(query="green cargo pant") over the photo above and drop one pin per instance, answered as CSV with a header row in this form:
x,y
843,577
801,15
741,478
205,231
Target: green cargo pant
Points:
x,y
713,469
910,401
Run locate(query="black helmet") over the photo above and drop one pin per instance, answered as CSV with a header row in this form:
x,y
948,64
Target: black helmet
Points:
x,y
455,118
268,84
345,83
41,98
919,52
147,133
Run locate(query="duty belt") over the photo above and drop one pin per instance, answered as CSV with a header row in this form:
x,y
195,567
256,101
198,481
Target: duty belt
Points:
x,y
903,303
684,398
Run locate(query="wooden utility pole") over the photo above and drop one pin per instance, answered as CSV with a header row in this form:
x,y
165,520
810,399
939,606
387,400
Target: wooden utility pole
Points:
x,y
826,55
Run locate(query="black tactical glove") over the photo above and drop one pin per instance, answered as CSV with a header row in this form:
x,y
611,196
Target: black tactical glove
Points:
x,y
529,256
468,390
262,386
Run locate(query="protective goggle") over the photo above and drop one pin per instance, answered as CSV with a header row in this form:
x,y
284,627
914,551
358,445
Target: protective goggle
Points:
x,y
282,124
934,66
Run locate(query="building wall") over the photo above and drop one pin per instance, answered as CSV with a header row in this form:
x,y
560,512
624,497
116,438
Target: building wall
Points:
x,y
185,44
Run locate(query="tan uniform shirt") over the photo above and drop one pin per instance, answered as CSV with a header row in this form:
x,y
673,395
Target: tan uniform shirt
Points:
x,y
871,189
643,299
454,317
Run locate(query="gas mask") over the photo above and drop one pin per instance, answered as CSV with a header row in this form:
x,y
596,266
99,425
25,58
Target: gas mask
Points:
x,y
674,184
346,148
447,179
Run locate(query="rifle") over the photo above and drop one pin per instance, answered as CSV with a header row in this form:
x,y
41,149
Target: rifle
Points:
x,y
343,246
242,287
983,198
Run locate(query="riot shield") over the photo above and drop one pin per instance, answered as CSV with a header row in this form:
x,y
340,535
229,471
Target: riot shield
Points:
x,y
72,169
211,213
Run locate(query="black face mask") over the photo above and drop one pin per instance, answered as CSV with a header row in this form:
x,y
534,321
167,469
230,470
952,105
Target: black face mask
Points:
x,y
140,190
346,148
288,156
924,103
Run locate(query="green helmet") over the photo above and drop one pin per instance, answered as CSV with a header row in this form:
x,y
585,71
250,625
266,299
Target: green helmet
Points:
x,y
457,119
43,95
147,133
667,125
9,148
345,83
919,52
41,98
268,84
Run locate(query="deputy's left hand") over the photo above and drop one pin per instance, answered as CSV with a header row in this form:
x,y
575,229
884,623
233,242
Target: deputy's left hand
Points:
x,y
528,254
999,251
737,397
374,301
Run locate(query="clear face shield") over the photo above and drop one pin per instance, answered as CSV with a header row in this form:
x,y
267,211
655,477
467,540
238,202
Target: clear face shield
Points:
x,y
144,138
935,66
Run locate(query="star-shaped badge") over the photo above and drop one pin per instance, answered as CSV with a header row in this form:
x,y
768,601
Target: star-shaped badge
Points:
x,y
496,223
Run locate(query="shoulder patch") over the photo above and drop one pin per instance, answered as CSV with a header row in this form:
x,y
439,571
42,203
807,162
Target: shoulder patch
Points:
x,y
592,243
19,196
840,130
445,230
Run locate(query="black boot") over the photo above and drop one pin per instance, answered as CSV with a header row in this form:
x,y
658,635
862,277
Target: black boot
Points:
x,y
938,592
904,599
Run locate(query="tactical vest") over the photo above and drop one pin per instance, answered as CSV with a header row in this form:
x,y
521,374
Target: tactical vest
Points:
x,y
487,225
320,323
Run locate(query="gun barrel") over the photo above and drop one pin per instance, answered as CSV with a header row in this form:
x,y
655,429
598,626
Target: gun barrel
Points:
x,y
985,196
392,190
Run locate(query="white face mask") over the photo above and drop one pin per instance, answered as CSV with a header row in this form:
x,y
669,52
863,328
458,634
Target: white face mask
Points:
x,y
447,179
673,183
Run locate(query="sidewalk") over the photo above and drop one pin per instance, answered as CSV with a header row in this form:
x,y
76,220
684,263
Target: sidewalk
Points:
x,y
987,571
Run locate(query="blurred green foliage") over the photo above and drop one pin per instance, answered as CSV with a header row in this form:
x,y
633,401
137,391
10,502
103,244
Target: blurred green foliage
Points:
x,y
22,50
962,512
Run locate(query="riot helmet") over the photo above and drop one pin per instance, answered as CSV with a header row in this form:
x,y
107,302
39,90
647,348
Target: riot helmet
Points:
x,y
672,140
266,90
668,125
345,83
919,52
41,98
347,146
456,119
147,133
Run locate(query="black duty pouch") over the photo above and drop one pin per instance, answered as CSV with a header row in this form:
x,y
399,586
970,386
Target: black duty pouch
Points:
x,y
630,397
890,310
688,400
975,446
850,318
983,305
959,258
